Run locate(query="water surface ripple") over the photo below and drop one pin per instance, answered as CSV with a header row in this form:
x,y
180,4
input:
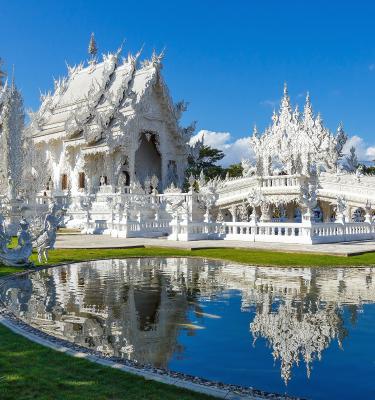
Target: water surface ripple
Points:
x,y
303,331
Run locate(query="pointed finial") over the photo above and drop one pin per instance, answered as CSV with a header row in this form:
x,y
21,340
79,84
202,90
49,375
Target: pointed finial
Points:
x,y
285,101
308,97
139,52
92,50
119,50
255,130
308,112
285,89
156,59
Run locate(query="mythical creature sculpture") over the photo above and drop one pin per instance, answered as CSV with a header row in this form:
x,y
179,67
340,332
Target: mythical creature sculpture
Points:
x,y
176,203
341,206
220,217
249,168
309,197
18,256
243,212
255,199
359,173
209,193
47,238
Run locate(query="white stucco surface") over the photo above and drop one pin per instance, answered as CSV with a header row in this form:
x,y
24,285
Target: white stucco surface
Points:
x,y
103,241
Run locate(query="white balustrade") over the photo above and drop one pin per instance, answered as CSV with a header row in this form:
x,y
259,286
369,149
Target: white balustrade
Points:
x,y
147,217
278,181
273,232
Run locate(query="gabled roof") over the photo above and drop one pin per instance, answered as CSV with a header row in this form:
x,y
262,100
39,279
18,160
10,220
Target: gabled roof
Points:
x,y
85,102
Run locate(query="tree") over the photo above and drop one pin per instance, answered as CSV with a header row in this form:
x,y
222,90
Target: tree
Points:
x,y
207,162
367,170
234,170
351,161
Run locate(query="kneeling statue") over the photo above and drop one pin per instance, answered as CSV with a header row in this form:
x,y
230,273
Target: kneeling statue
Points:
x,y
18,256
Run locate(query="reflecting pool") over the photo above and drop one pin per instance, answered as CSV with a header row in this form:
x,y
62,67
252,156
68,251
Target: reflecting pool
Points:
x,y
303,331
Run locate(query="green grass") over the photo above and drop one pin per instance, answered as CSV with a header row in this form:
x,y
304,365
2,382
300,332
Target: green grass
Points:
x,y
245,256
30,371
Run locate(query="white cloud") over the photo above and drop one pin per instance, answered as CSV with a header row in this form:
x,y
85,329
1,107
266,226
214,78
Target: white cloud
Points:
x,y
370,153
364,152
269,103
234,150
237,149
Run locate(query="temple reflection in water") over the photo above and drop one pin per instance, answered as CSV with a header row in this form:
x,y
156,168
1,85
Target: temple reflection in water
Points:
x,y
136,308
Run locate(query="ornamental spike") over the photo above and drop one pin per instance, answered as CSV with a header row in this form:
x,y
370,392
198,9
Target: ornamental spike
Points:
x,y
285,89
92,49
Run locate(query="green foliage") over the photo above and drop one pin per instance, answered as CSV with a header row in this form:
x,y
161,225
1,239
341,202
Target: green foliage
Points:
x,y
235,170
368,170
206,162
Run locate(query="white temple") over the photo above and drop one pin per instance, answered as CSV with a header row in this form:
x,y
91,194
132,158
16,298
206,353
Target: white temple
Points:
x,y
111,122
108,146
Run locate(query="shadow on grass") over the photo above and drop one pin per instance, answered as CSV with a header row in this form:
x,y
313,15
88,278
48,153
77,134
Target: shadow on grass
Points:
x,y
30,371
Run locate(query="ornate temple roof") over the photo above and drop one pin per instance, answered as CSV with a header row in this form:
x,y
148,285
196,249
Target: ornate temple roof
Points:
x,y
296,141
86,102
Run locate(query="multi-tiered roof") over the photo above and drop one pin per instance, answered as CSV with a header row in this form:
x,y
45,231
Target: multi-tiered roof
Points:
x,y
97,104
296,142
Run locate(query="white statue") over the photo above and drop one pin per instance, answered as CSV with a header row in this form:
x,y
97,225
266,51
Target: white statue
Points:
x,y
102,181
4,237
19,256
46,240
249,168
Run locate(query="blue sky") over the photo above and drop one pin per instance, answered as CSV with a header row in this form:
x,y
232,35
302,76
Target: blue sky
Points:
x,y
229,59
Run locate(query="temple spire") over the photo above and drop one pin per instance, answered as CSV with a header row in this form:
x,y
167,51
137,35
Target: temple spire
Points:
x,y
285,89
285,109
285,102
92,49
308,112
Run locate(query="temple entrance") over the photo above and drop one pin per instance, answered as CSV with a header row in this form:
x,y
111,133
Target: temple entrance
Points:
x,y
147,158
126,178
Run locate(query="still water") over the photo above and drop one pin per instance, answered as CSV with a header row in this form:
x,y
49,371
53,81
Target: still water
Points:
x,y
302,331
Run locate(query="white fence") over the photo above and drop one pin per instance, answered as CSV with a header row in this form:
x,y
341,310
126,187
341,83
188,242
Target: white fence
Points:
x,y
130,228
281,232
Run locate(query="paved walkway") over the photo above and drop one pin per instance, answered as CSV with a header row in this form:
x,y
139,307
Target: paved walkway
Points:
x,y
104,241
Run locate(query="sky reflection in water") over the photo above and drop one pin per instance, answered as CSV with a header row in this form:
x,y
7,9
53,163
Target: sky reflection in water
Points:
x,y
304,331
